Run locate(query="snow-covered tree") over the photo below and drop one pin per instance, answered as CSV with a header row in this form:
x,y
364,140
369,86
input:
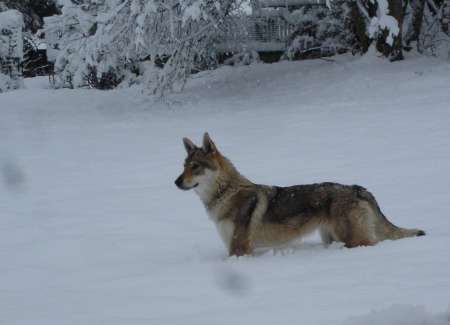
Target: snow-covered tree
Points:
x,y
159,41
427,26
319,30
346,25
396,24
376,22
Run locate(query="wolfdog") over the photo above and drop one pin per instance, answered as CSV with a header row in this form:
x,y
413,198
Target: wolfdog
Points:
x,y
250,216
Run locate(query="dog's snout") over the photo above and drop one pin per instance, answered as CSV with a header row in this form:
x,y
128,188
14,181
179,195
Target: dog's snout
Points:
x,y
179,181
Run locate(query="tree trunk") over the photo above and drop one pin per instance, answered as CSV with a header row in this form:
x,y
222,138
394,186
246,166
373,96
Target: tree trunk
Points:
x,y
396,11
417,9
358,28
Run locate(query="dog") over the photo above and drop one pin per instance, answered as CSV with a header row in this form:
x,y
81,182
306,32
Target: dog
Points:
x,y
250,216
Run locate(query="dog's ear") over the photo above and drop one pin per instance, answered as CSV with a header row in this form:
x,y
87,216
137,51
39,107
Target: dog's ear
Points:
x,y
208,144
189,145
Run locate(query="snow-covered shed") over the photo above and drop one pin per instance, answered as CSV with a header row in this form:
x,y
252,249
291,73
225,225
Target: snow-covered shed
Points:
x,y
11,43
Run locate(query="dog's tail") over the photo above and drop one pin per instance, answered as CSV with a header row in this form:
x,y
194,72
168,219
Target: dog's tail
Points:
x,y
395,232
388,229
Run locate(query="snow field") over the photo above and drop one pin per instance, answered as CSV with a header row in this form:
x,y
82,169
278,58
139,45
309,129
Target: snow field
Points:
x,y
95,232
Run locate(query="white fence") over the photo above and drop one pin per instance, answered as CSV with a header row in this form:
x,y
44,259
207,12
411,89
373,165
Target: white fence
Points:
x,y
263,34
268,29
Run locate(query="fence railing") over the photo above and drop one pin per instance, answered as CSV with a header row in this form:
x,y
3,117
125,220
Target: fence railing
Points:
x,y
258,34
268,29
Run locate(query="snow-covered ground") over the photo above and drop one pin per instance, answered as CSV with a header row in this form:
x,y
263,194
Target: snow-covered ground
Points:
x,y
93,230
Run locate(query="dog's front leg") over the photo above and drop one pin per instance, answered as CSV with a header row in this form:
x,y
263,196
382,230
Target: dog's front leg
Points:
x,y
240,242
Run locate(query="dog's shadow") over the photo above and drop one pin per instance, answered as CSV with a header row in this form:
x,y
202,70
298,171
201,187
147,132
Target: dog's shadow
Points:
x,y
303,247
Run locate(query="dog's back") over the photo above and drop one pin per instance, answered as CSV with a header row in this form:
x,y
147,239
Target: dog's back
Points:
x,y
348,214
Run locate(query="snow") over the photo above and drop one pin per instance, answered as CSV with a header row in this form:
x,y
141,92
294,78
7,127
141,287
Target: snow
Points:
x,y
53,27
401,315
192,12
95,232
11,19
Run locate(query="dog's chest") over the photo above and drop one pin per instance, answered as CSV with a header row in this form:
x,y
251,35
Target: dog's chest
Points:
x,y
224,226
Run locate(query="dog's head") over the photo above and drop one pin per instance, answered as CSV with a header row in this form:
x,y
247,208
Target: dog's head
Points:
x,y
201,166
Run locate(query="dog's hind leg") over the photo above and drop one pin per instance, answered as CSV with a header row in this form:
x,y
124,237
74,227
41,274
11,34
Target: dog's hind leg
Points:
x,y
325,234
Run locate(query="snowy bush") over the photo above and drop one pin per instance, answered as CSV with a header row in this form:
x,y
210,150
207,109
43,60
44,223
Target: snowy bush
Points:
x,y
300,46
306,21
243,58
320,31
104,43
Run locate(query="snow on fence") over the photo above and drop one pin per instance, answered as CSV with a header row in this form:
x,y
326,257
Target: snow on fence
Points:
x,y
266,29
261,34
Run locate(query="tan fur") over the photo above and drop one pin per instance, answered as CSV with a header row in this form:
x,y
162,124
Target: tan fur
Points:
x,y
249,216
